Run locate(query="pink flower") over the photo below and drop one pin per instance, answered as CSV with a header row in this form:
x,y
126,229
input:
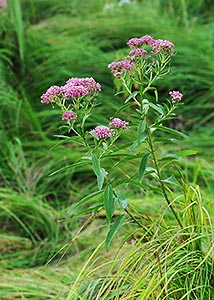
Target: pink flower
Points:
x,y
134,42
102,132
80,87
52,92
147,39
138,52
118,123
118,68
138,42
73,91
69,116
3,4
162,45
176,95
89,83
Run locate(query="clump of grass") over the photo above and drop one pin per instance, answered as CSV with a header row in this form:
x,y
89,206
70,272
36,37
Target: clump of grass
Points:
x,y
163,262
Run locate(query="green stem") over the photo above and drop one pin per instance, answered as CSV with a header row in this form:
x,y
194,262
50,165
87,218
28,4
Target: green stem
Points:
x,y
130,92
160,180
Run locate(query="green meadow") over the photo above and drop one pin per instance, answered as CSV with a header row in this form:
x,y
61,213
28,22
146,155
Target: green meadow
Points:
x,y
50,247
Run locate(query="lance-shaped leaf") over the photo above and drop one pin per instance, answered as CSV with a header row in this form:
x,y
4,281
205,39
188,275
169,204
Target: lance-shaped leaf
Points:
x,y
172,131
143,165
131,96
113,230
109,202
100,172
186,152
141,131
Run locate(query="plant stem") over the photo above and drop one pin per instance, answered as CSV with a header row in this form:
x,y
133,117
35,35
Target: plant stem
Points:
x,y
150,143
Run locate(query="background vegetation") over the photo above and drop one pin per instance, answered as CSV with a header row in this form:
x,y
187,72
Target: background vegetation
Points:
x,y
44,42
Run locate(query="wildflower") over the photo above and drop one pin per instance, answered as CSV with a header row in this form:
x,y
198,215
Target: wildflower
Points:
x,y
73,91
176,95
52,92
162,45
102,132
89,83
138,42
69,116
79,87
3,3
138,52
118,123
118,68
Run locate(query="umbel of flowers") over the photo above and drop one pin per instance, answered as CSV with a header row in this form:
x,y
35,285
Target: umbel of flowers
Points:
x,y
146,62
76,99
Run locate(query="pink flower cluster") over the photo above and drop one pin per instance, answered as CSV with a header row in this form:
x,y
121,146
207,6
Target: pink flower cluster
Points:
x,y
138,52
87,83
3,3
138,42
74,88
51,93
118,123
157,45
118,68
160,45
102,132
152,46
176,95
69,116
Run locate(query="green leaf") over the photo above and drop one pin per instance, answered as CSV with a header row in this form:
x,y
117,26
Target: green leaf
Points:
x,y
134,94
157,108
74,165
99,172
123,201
171,180
186,153
143,165
123,107
109,202
134,145
170,157
113,230
94,207
132,182
101,177
172,131
141,131
83,200
95,164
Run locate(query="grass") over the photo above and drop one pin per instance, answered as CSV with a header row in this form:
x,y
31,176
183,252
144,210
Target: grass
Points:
x,y
43,249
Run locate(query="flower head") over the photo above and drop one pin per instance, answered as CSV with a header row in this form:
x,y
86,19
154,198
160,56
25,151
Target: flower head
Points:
x,y
176,95
69,116
79,87
52,92
162,45
3,3
102,132
138,52
73,91
118,123
138,42
118,68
